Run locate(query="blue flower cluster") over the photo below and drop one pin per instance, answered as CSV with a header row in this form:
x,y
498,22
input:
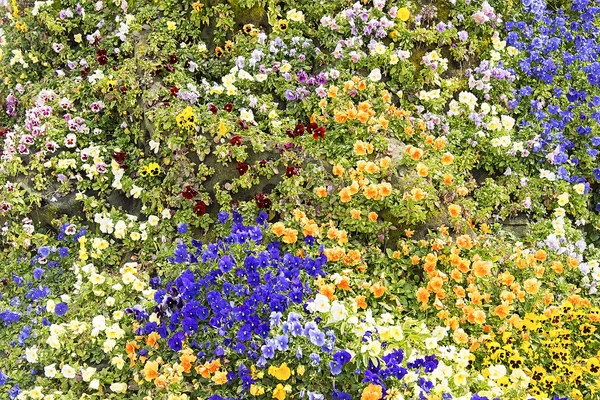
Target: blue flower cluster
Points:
x,y
232,306
561,52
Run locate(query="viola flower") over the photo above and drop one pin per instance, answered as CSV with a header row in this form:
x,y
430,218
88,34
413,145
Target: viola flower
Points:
x,y
189,192
228,107
200,208
242,168
236,141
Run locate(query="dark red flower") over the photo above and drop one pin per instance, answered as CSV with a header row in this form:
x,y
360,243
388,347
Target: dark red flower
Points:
x,y
85,71
319,133
299,130
174,91
123,89
290,133
262,201
263,163
236,141
119,156
228,107
312,127
200,208
101,57
159,69
242,124
291,171
169,68
173,59
213,109
242,168
189,192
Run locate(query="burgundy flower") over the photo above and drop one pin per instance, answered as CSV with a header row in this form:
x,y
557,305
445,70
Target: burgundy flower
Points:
x,y
123,89
189,192
319,133
291,171
228,107
200,208
242,124
263,163
262,201
174,91
213,109
101,57
119,157
289,133
299,130
169,68
173,59
159,69
85,71
312,127
242,168
236,141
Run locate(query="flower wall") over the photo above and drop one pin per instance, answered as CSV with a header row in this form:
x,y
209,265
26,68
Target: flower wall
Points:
x,y
290,200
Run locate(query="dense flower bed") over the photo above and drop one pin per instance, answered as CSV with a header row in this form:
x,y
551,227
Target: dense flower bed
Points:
x,y
282,200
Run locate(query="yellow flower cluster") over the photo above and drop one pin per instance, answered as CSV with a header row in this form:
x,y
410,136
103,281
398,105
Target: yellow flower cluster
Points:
x,y
186,120
152,169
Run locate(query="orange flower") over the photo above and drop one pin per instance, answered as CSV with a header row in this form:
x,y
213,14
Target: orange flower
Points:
x,y
220,377
409,233
311,229
289,236
462,191
447,179
464,242
439,143
372,192
532,285
363,117
360,148
338,170
385,189
372,392
418,194
422,295
340,117
278,228
460,336
344,283
332,92
187,358
502,310
378,290
435,284
373,216
345,195
447,159
321,191
328,291
479,317
482,268
355,214
385,162
416,153
422,170
540,255
152,339
362,85
454,210
150,370
361,302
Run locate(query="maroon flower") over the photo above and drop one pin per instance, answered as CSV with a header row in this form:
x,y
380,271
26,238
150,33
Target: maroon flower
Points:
x,y
200,208
319,133
262,201
85,71
189,192
312,127
242,124
263,163
228,107
123,89
174,91
242,168
236,141
289,133
159,69
213,109
173,59
101,57
169,68
291,171
299,130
